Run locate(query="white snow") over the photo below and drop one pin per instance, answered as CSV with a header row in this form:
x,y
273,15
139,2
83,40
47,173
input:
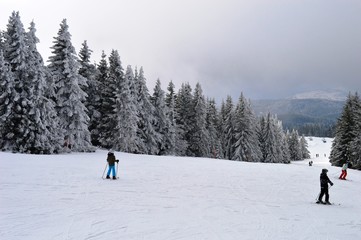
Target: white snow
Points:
x,y
64,197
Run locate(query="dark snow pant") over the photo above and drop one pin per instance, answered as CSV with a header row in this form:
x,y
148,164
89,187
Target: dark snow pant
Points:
x,y
343,174
324,191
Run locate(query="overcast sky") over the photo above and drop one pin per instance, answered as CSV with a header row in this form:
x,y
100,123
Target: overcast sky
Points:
x,y
266,49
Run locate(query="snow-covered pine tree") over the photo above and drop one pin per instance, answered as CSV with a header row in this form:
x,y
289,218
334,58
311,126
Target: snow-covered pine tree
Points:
x,y
177,145
212,122
162,123
294,145
282,143
228,128
269,146
70,98
262,136
21,133
304,148
221,128
2,47
110,78
92,103
146,117
132,78
126,138
133,81
199,137
344,146
15,132
356,143
247,146
7,96
185,114
45,136
105,107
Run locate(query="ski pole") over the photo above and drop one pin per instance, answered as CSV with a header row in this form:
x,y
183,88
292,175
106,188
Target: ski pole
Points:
x,y
318,196
117,169
106,165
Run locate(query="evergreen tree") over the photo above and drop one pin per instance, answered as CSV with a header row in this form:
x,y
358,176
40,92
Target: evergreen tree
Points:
x,y
356,151
7,95
261,132
104,106
111,78
92,103
355,146
273,140
146,119
344,147
185,115
305,154
45,135
199,138
212,123
221,129
70,97
162,123
246,147
177,145
282,143
25,130
228,128
126,138
294,146
2,47
269,151
17,132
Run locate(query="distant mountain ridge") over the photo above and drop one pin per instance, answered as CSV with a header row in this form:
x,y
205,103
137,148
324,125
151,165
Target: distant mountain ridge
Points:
x,y
335,95
317,109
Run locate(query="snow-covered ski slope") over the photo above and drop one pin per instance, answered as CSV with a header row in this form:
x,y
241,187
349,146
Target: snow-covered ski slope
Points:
x,y
63,197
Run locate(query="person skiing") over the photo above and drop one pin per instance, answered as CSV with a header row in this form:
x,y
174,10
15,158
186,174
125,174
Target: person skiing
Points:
x,y
111,162
344,171
324,181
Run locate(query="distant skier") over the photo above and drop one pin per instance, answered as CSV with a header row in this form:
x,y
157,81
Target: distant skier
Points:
x,y
324,181
111,162
344,171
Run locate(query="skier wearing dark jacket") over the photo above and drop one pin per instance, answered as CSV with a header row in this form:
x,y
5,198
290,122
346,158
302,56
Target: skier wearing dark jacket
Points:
x,y
324,181
111,162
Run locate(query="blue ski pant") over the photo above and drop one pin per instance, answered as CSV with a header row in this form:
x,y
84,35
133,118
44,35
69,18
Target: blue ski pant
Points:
x,y
111,169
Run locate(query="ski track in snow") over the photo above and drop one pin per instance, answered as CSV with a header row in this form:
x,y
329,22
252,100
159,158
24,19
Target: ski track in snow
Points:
x,y
63,197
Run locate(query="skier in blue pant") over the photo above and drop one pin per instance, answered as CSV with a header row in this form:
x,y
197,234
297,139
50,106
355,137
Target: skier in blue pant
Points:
x,y
111,162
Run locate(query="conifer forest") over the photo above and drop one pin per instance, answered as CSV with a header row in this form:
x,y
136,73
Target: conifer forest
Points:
x,y
68,103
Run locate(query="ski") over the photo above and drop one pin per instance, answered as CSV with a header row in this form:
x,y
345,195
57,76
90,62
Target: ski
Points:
x,y
322,203
110,178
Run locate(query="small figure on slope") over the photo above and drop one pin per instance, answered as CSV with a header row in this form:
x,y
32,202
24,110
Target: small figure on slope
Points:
x,y
111,162
344,171
324,181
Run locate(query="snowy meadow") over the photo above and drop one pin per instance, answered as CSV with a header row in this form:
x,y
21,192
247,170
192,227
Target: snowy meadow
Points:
x,y
64,197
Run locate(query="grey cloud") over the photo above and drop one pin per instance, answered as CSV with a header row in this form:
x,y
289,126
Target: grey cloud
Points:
x,y
266,49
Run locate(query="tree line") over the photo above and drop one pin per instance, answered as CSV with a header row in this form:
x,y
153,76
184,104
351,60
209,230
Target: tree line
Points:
x,y
82,104
346,147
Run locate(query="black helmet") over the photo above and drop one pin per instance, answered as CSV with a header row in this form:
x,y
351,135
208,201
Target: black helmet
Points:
x,y
324,170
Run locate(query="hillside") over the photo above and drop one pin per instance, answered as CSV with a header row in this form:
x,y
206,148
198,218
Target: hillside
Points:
x,y
64,197
296,113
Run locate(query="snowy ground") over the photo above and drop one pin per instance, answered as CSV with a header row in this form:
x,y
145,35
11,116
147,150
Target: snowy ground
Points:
x,y
64,197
